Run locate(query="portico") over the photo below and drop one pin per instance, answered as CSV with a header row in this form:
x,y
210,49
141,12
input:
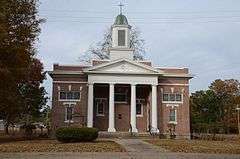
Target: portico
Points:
x,y
127,79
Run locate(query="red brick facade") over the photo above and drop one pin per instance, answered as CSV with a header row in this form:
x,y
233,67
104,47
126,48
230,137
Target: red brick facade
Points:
x,y
64,80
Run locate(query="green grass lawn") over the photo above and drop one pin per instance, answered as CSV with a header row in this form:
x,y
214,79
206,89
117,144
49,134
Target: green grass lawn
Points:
x,y
198,146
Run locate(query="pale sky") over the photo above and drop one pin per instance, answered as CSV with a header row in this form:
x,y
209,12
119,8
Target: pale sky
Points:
x,y
202,35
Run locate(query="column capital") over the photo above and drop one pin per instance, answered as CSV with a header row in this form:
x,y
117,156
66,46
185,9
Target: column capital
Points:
x,y
112,83
154,85
90,83
133,84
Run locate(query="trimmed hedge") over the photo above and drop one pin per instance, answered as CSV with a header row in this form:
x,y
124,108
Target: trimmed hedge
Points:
x,y
75,134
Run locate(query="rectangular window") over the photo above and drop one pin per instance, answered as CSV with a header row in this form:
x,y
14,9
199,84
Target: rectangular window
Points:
x,y
100,109
121,97
69,112
63,95
70,95
178,97
121,37
172,115
139,107
100,106
172,97
76,95
165,97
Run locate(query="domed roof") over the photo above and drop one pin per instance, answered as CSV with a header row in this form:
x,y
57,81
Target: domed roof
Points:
x,y
121,20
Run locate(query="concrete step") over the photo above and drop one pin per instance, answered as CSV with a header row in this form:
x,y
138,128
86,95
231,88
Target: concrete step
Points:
x,y
105,134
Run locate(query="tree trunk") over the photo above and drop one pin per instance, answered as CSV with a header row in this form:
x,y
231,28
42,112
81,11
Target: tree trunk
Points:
x,y
6,128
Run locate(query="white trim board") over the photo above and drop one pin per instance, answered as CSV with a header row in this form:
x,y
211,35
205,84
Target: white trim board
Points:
x,y
121,79
82,82
65,72
172,84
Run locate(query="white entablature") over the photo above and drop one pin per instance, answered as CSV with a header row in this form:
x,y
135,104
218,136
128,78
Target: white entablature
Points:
x,y
123,71
123,66
123,79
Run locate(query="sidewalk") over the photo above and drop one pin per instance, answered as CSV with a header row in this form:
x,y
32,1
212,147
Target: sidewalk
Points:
x,y
137,145
116,155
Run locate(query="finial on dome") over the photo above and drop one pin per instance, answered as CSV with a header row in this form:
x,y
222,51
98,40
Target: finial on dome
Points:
x,y
120,7
121,19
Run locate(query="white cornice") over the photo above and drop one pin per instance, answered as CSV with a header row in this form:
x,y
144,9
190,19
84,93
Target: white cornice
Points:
x,y
126,73
76,65
80,82
173,84
171,68
107,72
160,84
65,72
180,75
121,48
91,69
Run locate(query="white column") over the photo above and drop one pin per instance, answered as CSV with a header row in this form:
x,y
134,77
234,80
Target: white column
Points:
x,y
111,120
154,109
133,108
90,106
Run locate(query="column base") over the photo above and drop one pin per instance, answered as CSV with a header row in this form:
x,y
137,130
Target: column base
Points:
x,y
89,125
154,130
111,130
134,130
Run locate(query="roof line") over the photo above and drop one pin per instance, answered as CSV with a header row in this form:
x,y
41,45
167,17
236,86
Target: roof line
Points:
x,y
122,59
68,65
170,67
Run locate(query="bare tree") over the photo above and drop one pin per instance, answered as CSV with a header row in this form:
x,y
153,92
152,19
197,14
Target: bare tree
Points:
x,y
100,50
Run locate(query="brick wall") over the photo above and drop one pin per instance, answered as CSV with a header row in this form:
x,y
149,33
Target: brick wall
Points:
x,y
183,122
58,107
62,83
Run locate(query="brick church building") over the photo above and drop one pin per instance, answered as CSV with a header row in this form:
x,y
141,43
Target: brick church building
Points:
x,y
121,94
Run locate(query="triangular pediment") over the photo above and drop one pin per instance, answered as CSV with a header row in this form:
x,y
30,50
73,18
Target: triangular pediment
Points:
x,y
124,66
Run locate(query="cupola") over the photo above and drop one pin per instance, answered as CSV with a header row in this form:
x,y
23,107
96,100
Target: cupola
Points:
x,y
121,39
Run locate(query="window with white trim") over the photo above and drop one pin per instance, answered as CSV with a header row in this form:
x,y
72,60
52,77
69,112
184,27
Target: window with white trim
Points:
x,y
100,106
139,107
69,95
172,97
69,110
172,115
